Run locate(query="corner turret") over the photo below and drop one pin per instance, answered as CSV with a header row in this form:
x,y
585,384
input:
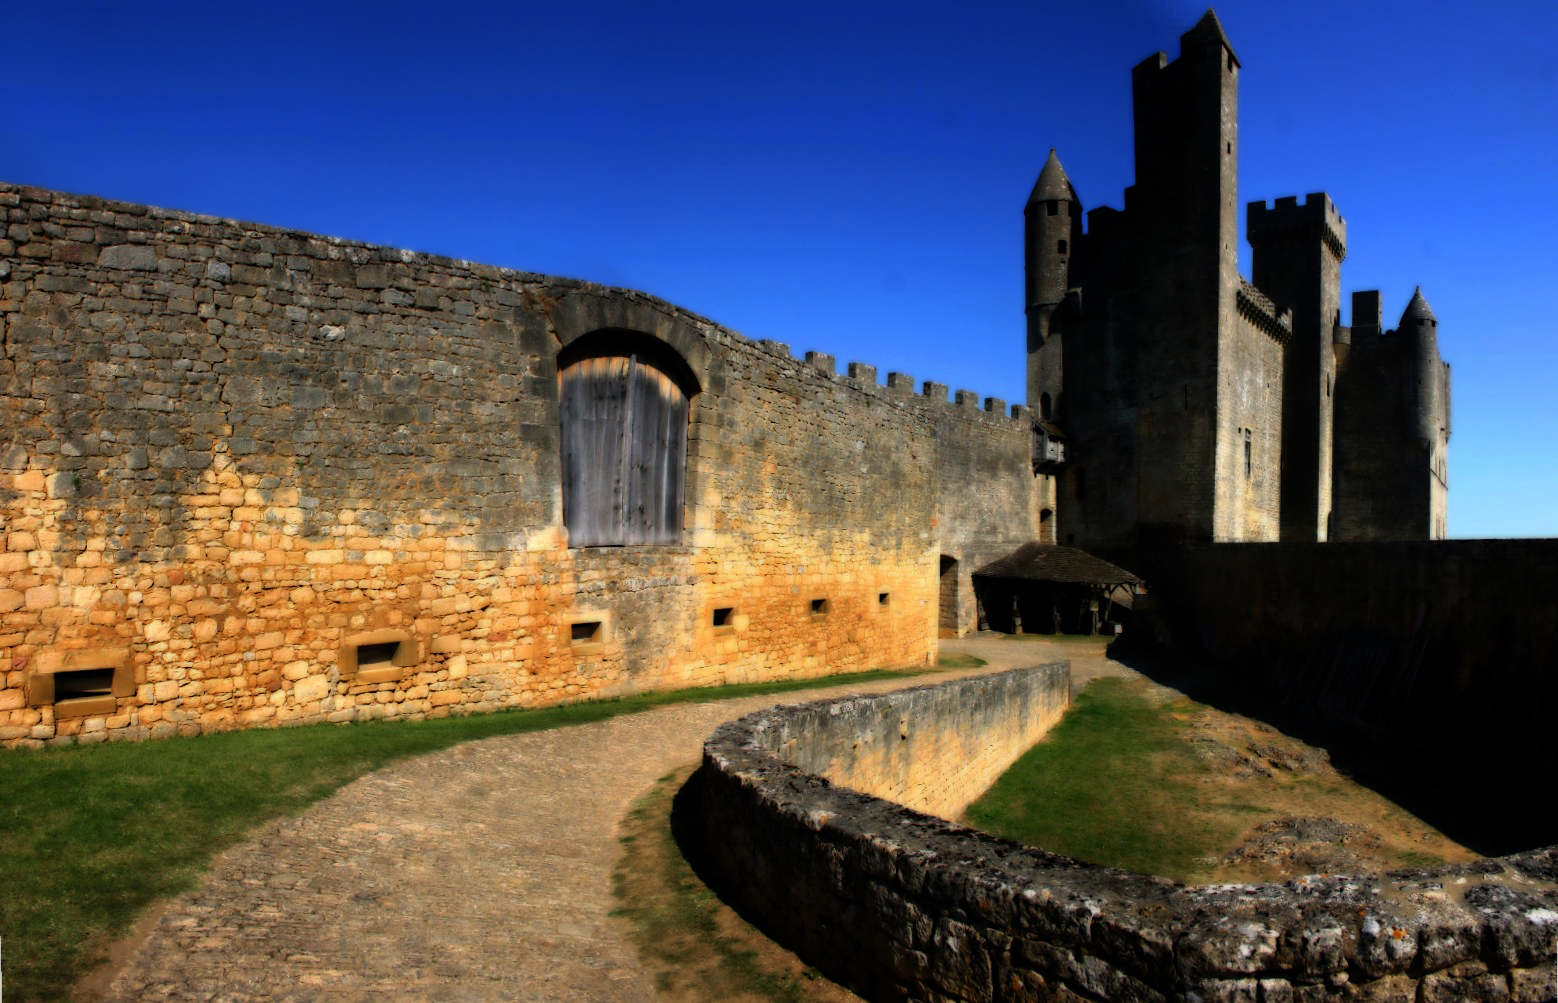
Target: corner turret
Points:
x,y
1053,223
1052,230
1419,332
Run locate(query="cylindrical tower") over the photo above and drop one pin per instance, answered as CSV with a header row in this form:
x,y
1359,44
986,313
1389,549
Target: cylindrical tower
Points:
x,y
1051,232
1419,331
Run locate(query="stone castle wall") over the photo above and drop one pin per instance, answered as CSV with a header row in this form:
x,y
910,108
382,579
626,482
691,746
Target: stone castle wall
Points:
x,y
931,748
1442,651
899,905
233,456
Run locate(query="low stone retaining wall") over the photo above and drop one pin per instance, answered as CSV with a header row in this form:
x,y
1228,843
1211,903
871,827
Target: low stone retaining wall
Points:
x,y
900,905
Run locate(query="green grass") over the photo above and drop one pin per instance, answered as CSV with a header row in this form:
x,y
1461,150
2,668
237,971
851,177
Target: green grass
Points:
x,y
1113,783
696,947
90,836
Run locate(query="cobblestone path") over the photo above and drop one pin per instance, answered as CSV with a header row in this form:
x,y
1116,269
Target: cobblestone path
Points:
x,y
481,872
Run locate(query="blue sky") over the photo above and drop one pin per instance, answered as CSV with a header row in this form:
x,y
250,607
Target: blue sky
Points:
x,y
842,177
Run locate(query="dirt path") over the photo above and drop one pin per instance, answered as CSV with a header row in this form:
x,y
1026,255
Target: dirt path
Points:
x,y
478,873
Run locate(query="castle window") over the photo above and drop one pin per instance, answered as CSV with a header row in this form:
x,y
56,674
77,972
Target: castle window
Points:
x,y
1044,406
85,682
378,656
625,402
723,616
1060,246
819,607
1053,207
884,599
1248,465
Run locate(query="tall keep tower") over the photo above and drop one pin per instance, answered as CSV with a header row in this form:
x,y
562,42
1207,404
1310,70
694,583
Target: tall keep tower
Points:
x,y
1298,264
1184,217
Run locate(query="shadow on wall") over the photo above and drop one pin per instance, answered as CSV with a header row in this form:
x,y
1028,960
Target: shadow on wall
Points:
x,y
1483,803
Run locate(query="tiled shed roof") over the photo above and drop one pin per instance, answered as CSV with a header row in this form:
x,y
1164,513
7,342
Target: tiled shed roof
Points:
x,y
1048,562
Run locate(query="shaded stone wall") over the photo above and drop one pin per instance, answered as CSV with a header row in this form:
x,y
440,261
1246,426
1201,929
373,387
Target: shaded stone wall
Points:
x,y
232,454
1443,651
899,905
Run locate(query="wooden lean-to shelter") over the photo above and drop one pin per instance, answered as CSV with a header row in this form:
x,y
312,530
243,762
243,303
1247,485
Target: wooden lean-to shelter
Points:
x,y
1044,588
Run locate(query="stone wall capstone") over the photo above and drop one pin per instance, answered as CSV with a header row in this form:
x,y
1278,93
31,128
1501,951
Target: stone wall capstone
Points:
x,y
900,905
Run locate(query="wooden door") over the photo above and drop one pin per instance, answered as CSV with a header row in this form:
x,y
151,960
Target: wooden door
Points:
x,y
624,439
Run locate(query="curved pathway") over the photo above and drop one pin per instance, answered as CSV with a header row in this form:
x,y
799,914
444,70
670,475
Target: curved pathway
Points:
x,y
482,872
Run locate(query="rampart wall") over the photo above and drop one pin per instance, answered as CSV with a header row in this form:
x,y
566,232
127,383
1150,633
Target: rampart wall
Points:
x,y
1442,651
263,477
899,905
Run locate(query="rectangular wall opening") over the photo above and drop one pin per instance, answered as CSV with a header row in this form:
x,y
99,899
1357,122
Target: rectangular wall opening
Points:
x,y
884,599
83,683
374,656
587,632
84,693
819,607
723,616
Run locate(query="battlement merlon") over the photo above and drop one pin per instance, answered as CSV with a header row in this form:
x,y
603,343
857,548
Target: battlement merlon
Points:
x,y
1207,33
1317,212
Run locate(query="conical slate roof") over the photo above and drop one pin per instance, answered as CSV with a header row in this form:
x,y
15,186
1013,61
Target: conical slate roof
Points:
x,y
1052,183
1208,31
1417,310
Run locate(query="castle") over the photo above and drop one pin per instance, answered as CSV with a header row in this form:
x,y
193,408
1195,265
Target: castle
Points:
x,y
252,477
1196,405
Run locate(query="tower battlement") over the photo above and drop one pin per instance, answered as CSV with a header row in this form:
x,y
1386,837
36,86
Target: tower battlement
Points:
x,y
1316,211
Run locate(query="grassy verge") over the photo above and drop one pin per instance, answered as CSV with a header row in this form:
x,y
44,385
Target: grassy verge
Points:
x,y
1114,783
92,835
1165,786
697,947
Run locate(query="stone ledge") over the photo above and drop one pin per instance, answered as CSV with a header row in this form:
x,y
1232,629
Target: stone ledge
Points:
x,y
902,905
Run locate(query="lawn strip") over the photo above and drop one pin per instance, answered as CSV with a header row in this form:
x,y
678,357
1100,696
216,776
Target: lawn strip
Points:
x,y
90,836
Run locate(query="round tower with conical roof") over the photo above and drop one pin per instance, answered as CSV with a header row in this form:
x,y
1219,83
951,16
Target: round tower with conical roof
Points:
x,y
1419,332
1052,230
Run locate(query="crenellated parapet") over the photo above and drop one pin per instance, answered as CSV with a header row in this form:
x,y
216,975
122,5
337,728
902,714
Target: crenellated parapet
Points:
x,y
936,398
1256,307
1317,213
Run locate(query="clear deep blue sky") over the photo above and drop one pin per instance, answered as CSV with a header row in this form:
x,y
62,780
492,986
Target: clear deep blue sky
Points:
x,y
843,177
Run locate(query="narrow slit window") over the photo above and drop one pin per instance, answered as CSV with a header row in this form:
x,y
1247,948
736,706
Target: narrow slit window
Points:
x,y
1248,456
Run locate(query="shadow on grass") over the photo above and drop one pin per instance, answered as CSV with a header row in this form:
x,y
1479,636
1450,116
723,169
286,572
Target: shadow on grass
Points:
x,y
1489,807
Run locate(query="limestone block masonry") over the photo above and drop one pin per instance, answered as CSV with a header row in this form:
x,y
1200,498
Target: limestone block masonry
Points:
x,y
900,905
254,477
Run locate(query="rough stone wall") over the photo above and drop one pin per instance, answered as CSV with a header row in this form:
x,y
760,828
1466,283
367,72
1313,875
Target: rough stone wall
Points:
x,y
931,748
903,906
232,454
1442,650
1389,483
1249,399
990,501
